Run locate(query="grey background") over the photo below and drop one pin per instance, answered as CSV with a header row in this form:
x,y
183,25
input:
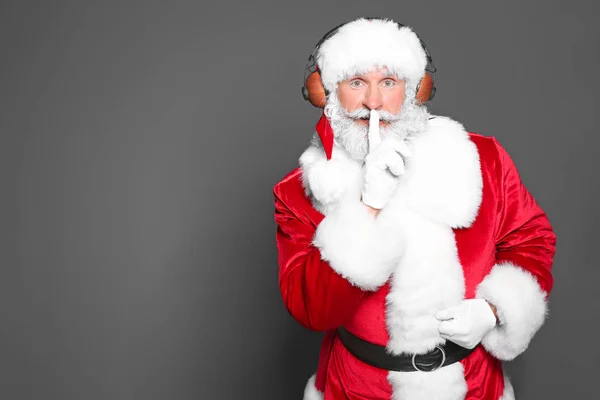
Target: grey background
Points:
x,y
139,146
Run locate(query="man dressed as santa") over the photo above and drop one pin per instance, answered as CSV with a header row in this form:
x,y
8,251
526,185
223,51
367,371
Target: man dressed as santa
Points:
x,y
409,241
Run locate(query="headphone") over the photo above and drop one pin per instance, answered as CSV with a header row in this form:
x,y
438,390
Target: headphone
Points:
x,y
314,91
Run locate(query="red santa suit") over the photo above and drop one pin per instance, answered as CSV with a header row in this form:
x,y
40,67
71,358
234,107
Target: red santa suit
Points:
x,y
461,225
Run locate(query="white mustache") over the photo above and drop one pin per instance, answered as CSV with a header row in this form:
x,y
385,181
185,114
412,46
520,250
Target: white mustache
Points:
x,y
366,113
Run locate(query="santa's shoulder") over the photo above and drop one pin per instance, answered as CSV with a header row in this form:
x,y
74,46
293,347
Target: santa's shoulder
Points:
x,y
290,184
446,131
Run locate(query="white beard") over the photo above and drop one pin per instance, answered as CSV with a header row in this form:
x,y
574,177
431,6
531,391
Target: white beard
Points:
x,y
353,136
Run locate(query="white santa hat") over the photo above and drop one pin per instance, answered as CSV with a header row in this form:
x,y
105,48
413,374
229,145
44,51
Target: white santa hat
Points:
x,y
361,45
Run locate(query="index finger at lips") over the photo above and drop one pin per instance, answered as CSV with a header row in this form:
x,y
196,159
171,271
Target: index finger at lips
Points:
x,y
374,137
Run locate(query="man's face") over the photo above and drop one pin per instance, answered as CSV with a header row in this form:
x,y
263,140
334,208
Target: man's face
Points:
x,y
349,110
377,90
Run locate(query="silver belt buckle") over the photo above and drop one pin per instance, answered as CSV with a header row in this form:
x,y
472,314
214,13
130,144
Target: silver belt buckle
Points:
x,y
431,370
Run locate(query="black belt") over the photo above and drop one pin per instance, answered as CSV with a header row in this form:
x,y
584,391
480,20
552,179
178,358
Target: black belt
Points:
x,y
378,356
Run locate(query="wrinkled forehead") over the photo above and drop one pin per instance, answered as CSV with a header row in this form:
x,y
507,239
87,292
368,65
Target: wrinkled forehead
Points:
x,y
376,71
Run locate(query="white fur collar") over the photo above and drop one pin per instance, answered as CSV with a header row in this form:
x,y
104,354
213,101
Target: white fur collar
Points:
x,y
442,181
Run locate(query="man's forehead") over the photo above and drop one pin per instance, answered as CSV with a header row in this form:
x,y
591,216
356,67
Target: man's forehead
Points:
x,y
382,72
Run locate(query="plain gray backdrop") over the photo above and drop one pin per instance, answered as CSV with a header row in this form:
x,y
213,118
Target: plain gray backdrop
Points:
x,y
140,142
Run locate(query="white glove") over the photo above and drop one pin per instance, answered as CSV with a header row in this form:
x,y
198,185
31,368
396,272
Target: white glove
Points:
x,y
467,323
383,166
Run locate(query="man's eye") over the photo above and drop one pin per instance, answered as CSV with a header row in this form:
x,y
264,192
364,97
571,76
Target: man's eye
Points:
x,y
355,83
389,83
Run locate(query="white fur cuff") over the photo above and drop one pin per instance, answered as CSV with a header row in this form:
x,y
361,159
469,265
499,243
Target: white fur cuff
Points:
x,y
509,392
311,392
360,247
521,306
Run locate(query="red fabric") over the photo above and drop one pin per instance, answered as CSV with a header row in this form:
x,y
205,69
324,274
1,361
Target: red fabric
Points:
x,y
510,226
324,354
484,376
325,132
523,235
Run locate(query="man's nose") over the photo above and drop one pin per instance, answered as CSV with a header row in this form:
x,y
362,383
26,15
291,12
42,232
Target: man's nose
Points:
x,y
373,98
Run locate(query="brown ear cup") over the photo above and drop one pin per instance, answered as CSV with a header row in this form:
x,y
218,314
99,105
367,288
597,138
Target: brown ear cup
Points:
x,y
316,91
424,89
318,97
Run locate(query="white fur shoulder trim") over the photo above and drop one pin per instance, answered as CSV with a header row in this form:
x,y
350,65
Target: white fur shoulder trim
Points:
x,y
443,177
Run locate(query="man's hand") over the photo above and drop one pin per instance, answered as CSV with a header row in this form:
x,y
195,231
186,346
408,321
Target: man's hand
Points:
x,y
467,323
383,166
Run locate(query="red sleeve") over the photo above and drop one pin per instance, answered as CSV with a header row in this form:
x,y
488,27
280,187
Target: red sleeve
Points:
x,y
519,283
524,236
314,294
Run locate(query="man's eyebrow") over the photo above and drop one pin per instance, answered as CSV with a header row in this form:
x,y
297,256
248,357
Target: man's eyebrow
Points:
x,y
386,74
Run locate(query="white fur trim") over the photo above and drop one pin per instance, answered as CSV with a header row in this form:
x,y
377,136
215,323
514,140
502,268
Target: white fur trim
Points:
x,y
509,393
328,181
441,187
446,383
428,278
521,306
361,248
412,239
360,45
310,391
443,177
442,181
